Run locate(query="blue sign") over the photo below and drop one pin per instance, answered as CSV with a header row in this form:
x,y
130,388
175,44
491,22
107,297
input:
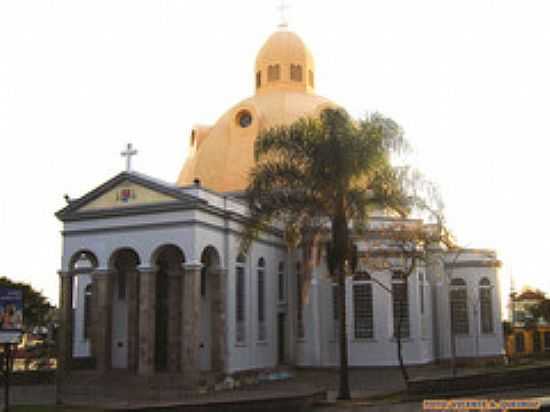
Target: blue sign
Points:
x,y
11,310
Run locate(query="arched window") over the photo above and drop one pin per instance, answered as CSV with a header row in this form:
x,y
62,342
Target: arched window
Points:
x,y
421,285
87,311
273,72
520,342
459,307
240,298
261,300
362,306
485,306
258,80
296,72
311,79
400,305
281,282
300,332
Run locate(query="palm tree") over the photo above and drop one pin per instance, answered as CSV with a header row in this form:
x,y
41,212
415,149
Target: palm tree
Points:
x,y
326,172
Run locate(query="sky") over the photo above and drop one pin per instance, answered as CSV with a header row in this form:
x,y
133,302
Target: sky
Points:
x,y
469,81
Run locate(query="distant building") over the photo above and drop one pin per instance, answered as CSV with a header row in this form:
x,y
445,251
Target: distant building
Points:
x,y
528,335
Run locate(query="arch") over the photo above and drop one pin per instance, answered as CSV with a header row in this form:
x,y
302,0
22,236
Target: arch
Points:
x,y
485,282
87,259
210,256
241,258
458,282
168,253
261,262
124,256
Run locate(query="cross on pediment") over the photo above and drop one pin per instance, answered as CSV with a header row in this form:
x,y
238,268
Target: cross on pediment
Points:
x,y
128,153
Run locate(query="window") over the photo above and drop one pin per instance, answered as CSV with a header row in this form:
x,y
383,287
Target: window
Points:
x,y
400,306
261,299
258,80
335,310
240,304
421,282
87,311
546,341
299,303
281,282
520,342
273,73
362,309
485,306
459,307
537,340
296,72
311,79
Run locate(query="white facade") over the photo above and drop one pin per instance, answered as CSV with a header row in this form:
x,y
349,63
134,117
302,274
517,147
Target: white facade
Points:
x,y
216,222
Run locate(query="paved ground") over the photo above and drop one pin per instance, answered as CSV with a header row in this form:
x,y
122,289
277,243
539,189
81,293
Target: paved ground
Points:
x,y
364,382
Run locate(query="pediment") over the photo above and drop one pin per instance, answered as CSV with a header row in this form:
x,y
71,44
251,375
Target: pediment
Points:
x,y
126,194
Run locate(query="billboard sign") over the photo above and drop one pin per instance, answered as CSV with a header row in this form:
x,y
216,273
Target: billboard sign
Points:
x,y
11,315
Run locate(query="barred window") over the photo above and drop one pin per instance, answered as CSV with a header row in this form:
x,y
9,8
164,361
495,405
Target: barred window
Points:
x,y
299,303
87,311
261,300
240,290
485,306
335,310
421,284
273,72
296,72
362,310
400,306
520,342
459,307
282,282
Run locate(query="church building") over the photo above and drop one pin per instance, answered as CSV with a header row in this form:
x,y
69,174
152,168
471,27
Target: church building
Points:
x,y
152,280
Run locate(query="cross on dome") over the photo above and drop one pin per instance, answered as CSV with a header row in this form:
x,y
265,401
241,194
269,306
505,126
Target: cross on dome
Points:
x,y
283,8
128,153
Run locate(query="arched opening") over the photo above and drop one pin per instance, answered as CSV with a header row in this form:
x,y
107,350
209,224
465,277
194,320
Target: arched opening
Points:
x,y
169,260
81,266
459,307
124,308
212,308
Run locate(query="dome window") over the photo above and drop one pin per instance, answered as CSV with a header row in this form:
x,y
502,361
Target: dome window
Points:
x,y
311,79
296,72
244,119
273,72
258,80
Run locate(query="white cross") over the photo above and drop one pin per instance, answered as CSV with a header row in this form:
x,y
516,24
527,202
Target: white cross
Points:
x,y
128,153
283,8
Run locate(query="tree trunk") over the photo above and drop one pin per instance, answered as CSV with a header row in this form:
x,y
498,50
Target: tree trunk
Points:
x,y
343,390
340,239
399,348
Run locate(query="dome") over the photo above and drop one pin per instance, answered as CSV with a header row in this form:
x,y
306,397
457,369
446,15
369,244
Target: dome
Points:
x,y
221,156
285,62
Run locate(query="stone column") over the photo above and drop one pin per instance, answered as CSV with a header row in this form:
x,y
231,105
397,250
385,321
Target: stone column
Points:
x,y
133,319
175,278
66,330
102,317
146,328
191,320
218,331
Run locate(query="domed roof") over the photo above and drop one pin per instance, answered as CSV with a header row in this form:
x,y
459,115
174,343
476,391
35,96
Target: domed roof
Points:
x,y
221,156
285,62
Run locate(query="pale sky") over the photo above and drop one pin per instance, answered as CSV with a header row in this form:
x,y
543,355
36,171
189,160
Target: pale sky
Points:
x,y
469,81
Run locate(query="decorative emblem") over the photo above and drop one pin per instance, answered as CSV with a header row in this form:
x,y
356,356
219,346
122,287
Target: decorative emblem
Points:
x,y
124,195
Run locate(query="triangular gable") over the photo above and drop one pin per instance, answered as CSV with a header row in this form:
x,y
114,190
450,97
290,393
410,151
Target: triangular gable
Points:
x,y
126,190
127,194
